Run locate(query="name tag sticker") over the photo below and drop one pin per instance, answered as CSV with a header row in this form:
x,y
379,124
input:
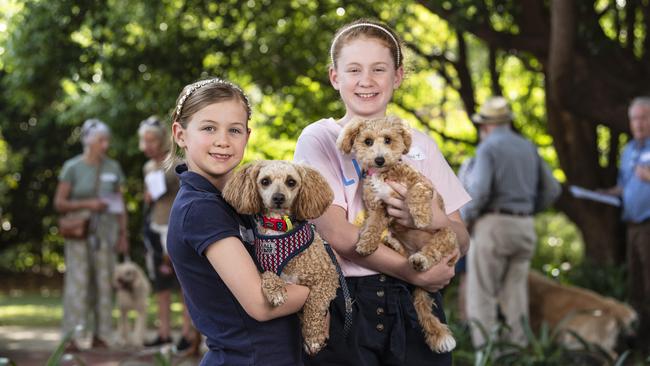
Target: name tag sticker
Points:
x,y
108,177
645,158
416,153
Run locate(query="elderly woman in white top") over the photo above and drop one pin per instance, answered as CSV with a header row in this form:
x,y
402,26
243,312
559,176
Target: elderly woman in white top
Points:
x,y
90,185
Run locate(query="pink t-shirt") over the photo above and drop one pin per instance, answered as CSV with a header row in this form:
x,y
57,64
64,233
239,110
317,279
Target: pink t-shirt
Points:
x,y
316,147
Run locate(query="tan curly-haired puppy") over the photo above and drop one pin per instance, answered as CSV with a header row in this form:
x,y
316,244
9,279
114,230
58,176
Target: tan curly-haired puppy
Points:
x,y
285,195
132,293
378,145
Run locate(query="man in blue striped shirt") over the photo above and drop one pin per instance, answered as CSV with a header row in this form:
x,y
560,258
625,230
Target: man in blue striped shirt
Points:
x,y
634,188
508,184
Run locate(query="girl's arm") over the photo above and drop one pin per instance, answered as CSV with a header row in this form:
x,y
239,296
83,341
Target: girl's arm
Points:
x,y
235,266
334,227
63,204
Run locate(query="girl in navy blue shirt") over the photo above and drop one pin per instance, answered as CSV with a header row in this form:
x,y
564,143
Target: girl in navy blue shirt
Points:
x,y
208,242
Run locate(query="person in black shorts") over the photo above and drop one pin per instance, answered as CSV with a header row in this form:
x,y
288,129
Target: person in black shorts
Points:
x,y
160,190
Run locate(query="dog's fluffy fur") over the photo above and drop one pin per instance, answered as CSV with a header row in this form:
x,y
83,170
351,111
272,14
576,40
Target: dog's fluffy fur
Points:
x,y
595,318
379,145
133,289
275,189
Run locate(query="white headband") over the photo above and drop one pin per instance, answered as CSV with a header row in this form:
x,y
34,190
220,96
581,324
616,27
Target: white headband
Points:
x,y
202,83
365,25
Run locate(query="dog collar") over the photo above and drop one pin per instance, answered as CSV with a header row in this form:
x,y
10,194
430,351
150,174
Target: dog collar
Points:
x,y
282,224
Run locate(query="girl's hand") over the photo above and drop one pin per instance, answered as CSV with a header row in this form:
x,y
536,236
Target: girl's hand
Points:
x,y
438,276
147,197
396,207
643,172
165,269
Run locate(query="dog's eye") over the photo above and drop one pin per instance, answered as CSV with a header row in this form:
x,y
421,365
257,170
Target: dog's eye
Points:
x,y
387,140
291,182
265,181
368,142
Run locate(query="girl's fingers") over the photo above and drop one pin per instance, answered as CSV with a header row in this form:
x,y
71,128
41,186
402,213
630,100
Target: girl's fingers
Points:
x,y
397,187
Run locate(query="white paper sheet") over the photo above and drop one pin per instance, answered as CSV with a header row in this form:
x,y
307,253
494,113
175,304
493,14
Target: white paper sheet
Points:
x,y
579,192
114,202
155,182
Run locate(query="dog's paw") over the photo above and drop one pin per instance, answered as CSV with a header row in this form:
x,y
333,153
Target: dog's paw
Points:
x,y
420,262
391,242
421,218
445,343
273,288
366,244
313,346
365,249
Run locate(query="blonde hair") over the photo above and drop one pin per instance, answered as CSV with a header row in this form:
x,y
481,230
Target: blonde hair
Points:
x,y
197,96
369,29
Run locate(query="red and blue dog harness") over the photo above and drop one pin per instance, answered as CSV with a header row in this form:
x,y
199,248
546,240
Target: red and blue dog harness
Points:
x,y
273,252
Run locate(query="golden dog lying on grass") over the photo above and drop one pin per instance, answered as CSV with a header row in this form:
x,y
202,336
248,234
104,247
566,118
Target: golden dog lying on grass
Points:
x,y
595,318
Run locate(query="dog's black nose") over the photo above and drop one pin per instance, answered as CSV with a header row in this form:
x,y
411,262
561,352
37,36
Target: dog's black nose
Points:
x,y
278,198
380,161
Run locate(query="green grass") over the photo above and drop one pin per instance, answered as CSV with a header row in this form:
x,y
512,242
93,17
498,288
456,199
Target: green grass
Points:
x,y
43,309
30,309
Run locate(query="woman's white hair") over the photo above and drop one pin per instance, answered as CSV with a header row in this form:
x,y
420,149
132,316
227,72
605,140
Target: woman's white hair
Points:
x,y
91,129
155,125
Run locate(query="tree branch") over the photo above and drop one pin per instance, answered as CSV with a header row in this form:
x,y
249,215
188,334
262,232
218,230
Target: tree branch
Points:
x,y
494,74
428,126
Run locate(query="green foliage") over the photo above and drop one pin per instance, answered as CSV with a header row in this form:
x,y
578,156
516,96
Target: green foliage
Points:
x,y
559,245
64,61
543,348
560,254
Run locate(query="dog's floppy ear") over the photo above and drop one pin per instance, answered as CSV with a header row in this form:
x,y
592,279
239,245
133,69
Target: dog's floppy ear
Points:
x,y
241,189
345,141
404,130
315,194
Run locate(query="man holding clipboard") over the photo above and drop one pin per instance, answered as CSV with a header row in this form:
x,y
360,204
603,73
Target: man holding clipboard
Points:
x,y
634,190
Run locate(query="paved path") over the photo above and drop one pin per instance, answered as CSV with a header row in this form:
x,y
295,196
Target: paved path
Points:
x,y
30,346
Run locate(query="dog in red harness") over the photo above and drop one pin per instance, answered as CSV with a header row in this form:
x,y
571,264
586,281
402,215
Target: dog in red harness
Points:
x,y
282,196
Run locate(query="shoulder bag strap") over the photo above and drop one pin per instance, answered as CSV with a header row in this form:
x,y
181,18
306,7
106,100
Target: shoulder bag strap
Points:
x,y
92,227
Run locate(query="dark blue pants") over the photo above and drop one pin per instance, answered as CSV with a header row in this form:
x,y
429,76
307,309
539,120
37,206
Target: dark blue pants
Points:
x,y
385,330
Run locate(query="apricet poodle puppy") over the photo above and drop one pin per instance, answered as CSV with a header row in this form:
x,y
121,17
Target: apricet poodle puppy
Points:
x,y
378,145
282,196
132,293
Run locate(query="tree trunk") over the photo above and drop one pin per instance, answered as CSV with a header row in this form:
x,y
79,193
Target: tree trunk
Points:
x,y
599,223
576,142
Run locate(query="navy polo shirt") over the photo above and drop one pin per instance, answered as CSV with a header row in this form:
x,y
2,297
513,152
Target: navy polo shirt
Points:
x,y
200,217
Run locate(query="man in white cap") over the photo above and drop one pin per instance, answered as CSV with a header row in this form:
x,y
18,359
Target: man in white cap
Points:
x,y
508,183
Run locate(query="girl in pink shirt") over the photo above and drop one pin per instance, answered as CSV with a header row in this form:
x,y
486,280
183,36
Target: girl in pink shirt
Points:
x,y
367,65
